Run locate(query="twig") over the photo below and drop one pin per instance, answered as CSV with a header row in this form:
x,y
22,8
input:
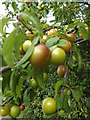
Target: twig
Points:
x,y
7,101
65,76
4,69
67,31
80,41
30,29
72,30
48,29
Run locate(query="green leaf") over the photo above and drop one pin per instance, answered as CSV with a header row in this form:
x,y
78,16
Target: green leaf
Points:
x,y
25,73
40,81
59,101
19,39
2,23
52,48
61,112
58,85
65,103
76,94
13,83
65,85
25,96
45,25
61,43
47,116
6,79
32,95
35,40
52,41
19,87
29,52
9,94
31,17
14,6
83,31
57,24
26,56
8,49
63,36
72,25
79,59
25,64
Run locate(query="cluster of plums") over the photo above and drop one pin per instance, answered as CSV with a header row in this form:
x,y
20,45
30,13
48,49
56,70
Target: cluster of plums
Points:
x,y
14,111
42,57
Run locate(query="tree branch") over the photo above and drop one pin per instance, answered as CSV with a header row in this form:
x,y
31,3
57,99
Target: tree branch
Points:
x,y
80,41
49,29
66,72
30,29
65,76
72,30
7,101
4,69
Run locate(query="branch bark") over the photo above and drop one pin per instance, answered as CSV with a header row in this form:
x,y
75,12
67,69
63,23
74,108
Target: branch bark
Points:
x,y
7,101
65,76
66,72
80,41
30,29
4,69
48,29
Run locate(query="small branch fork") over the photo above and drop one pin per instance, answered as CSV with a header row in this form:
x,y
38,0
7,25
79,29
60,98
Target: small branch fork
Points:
x,y
30,29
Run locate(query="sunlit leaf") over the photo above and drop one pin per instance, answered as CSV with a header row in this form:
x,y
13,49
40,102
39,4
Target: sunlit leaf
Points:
x,y
58,85
31,17
3,21
76,94
8,49
52,41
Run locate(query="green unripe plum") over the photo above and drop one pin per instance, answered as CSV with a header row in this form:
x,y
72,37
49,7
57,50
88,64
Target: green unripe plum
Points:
x,y
15,111
49,105
33,83
26,45
58,56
